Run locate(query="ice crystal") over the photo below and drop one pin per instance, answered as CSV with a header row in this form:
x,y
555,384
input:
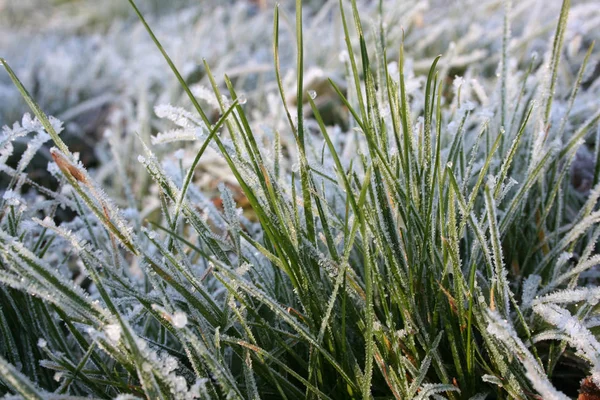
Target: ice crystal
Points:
x,y
179,319
113,332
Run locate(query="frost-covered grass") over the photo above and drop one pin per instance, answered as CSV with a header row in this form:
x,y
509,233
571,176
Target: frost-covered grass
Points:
x,y
417,227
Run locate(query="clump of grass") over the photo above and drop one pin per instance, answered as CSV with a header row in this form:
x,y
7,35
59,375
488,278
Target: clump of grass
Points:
x,y
449,257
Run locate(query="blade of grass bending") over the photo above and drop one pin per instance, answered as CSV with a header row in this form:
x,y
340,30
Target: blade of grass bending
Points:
x,y
334,154
300,75
579,134
429,103
597,156
35,108
511,154
371,117
278,69
276,201
299,130
503,290
406,123
304,170
329,239
555,59
521,94
182,82
575,90
392,93
248,137
191,170
434,170
354,68
221,101
102,215
18,382
504,71
183,85
356,117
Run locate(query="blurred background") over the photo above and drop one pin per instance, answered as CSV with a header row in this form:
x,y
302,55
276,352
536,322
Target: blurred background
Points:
x,y
92,65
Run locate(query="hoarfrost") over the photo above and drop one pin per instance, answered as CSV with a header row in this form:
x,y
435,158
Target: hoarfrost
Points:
x,y
179,319
113,332
578,335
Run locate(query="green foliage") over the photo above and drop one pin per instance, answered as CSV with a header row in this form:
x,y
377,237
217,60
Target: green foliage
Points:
x,y
436,262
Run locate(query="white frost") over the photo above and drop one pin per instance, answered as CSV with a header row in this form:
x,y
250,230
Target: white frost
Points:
x,y
113,332
179,319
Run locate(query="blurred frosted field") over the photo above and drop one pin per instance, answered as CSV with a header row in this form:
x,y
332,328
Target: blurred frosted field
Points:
x,y
92,65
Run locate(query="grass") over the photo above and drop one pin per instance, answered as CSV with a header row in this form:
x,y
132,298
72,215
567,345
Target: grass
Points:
x,y
450,257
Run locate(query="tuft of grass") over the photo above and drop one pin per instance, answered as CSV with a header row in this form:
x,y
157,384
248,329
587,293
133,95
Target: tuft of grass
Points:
x,y
433,263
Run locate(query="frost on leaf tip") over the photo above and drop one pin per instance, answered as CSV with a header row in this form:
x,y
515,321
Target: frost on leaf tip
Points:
x,y
178,115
